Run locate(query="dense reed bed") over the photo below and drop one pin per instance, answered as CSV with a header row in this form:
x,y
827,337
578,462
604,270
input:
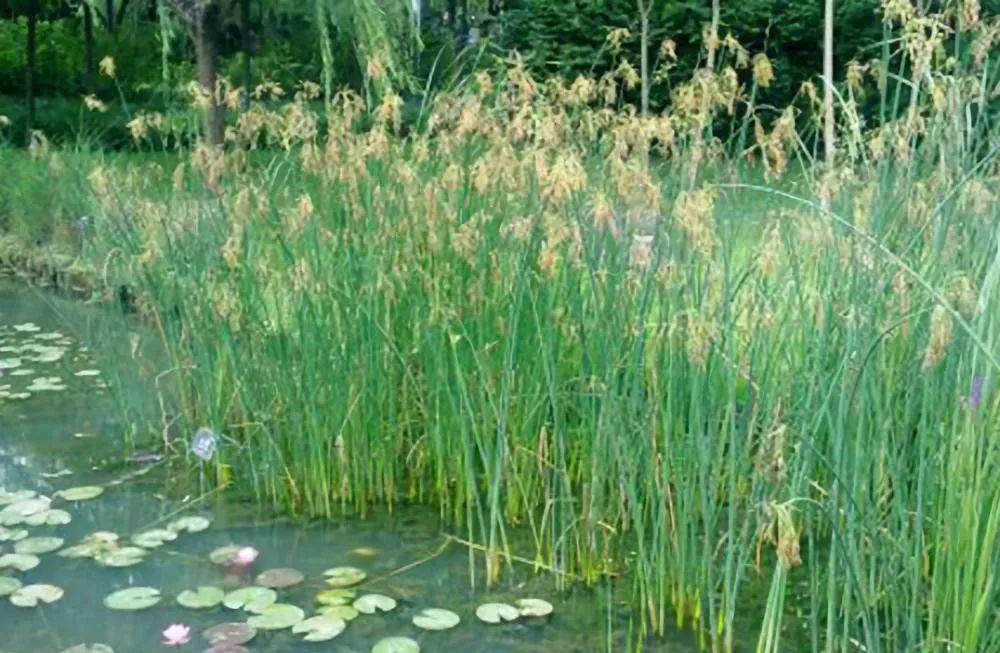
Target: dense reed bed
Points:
x,y
548,315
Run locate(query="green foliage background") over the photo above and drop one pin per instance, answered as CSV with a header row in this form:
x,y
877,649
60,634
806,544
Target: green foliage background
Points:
x,y
565,37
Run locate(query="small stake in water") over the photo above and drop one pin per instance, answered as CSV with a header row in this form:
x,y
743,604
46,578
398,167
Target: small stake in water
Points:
x,y
203,445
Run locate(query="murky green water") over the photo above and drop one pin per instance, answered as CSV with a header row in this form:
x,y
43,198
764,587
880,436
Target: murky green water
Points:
x,y
61,422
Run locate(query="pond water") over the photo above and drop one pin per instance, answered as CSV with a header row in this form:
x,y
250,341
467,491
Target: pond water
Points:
x,y
61,426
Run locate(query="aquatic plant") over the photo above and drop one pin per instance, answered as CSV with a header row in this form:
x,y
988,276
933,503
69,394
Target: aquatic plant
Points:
x,y
176,635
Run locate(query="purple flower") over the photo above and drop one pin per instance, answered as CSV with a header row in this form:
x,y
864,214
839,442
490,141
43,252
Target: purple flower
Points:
x,y
203,443
976,393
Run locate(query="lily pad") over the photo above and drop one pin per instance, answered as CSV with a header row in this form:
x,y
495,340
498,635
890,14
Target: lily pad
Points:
x,y
224,554
277,617
251,599
339,596
533,607
321,628
345,612
46,383
133,598
16,513
51,517
82,493
435,619
494,613
396,645
15,496
233,633
153,538
12,534
38,545
101,543
204,597
190,524
344,576
9,585
226,648
372,603
123,557
89,648
19,561
30,595
280,578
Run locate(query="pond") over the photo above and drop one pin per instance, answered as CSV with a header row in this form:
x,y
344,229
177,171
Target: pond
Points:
x,y
62,419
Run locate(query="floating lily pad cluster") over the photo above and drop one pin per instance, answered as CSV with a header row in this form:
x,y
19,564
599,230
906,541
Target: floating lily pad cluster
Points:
x,y
337,605
20,510
25,352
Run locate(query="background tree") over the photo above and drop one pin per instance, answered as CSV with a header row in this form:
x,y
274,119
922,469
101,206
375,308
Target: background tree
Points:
x,y
204,21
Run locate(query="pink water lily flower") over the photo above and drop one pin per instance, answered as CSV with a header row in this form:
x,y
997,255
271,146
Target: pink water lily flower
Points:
x,y
245,556
176,635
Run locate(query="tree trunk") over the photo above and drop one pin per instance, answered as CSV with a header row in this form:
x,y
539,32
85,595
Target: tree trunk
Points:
x,y
644,7
109,16
450,19
120,16
247,44
208,28
828,115
29,68
88,48
713,33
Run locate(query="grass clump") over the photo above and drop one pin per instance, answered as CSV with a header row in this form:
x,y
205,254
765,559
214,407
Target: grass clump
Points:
x,y
547,313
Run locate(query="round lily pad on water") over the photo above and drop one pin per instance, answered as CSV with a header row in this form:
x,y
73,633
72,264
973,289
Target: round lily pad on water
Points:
x,y
28,507
277,617
9,585
190,524
204,597
51,517
280,578
123,557
372,603
19,561
435,619
251,599
494,613
533,607
233,633
153,538
17,513
30,595
226,648
339,596
38,545
321,628
46,383
345,612
14,496
133,598
92,546
344,576
396,645
82,493
224,554
12,534
89,648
